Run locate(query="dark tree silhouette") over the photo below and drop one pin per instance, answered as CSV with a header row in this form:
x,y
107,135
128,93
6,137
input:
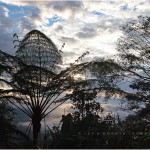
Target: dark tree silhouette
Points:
x,y
134,54
42,57
32,84
84,102
36,82
11,137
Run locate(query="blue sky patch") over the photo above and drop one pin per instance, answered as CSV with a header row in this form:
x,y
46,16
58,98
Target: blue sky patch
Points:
x,y
98,13
14,11
53,20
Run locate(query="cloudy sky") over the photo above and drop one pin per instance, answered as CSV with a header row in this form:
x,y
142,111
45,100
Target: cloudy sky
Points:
x,y
86,25
82,25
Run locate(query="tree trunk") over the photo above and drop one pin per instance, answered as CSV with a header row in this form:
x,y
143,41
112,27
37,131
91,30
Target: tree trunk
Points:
x,y
36,129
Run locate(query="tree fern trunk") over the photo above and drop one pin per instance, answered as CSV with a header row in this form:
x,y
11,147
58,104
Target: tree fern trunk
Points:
x,y
36,129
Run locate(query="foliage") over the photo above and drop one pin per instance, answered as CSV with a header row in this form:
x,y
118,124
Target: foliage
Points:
x,y
84,102
36,49
34,79
110,132
134,48
36,82
11,136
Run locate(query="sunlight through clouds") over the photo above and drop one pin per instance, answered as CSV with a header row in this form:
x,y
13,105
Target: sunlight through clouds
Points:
x,y
86,25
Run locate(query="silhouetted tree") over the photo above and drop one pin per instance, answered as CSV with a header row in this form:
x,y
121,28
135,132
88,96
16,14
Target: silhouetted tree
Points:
x,y
11,137
134,52
36,82
84,102
31,84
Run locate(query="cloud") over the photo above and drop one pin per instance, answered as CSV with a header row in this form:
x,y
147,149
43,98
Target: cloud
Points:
x,y
63,5
6,39
55,7
5,21
87,33
68,55
68,39
82,25
59,28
